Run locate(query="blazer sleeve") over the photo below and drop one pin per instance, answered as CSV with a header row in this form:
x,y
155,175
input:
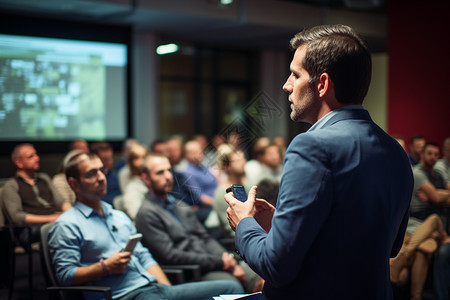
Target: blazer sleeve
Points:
x,y
303,205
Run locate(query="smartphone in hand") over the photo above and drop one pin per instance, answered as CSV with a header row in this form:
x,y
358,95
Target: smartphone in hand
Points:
x,y
132,241
238,192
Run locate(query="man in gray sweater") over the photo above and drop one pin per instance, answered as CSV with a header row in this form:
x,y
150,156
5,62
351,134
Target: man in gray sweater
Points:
x,y
173,234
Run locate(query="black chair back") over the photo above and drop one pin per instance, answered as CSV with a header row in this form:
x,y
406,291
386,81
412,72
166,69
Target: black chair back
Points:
x,y
46,260
64,292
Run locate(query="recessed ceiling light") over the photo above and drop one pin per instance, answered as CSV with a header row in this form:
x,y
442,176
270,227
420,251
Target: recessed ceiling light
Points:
x,y
166,49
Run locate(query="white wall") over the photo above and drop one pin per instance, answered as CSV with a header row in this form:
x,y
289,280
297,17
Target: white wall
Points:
x,y
274,72
376,99
145,84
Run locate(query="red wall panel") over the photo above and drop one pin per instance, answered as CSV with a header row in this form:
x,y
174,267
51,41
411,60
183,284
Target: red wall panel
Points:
x,y
419,69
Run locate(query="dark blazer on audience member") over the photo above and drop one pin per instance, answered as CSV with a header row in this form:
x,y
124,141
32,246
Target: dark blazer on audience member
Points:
x,y
177,240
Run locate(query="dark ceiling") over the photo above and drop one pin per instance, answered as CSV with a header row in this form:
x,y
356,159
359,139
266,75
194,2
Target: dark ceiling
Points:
x,y
244,23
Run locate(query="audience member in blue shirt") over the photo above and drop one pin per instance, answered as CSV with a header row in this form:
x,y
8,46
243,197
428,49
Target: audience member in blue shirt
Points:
x,y
85,246
199,179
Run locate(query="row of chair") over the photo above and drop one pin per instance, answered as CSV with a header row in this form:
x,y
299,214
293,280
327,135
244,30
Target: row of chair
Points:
x,y
10,249
176,274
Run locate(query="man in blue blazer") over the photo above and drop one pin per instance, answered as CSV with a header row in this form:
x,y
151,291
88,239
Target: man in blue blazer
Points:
x,y
344,196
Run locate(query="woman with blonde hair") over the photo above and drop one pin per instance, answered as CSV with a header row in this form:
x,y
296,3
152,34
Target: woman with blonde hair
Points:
x,y
133,187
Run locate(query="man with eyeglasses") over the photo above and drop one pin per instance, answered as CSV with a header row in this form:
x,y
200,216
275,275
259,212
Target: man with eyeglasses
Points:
x,y
86,241
30,198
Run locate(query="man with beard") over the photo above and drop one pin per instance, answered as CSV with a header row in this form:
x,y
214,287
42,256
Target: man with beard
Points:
x,y
431,191
86,241
172,232
30,198
344,195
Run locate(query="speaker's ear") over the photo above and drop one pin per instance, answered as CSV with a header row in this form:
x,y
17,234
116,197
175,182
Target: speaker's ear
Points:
x,y
324,84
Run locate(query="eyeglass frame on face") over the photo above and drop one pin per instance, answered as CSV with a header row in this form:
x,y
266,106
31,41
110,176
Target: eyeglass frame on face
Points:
x,y
93,173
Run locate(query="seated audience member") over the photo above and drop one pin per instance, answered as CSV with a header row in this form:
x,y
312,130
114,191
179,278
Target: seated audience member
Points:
x,y
60,181
217,141
443,164
160,146
30,198
441,273
268,190
211,153
136,154
175,146
122,162
430,191
400,140
79,144
422,239
134,190
208,157
234,139
181,189
200,180
232,162
253,167
272,163
270,167
416,145
106,154
85,245
174,235
281,143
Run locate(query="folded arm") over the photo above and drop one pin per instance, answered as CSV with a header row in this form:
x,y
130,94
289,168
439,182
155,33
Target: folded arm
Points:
x,y
434,195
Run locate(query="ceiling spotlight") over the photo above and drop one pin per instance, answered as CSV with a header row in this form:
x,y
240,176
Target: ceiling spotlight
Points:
x,y
226,2
166,49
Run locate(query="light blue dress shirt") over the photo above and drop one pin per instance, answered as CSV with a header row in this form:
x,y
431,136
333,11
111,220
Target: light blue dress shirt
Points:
x,y
80,237
200,180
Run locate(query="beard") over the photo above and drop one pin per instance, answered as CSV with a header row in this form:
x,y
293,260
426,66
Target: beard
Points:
x,y
303,108
429,164
161,190
302,112
296,114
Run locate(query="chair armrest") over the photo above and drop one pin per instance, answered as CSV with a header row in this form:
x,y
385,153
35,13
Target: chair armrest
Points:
x,y
193,271
175,275
106,290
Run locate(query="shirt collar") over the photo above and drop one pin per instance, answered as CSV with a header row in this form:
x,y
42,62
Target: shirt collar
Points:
x,y
169,204
87,211
35,177
320,123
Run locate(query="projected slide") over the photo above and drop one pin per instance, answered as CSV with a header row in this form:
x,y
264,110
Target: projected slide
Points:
x,y
55,89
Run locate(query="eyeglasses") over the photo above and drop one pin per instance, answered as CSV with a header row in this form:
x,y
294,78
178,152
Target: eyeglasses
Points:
x,y
92,174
